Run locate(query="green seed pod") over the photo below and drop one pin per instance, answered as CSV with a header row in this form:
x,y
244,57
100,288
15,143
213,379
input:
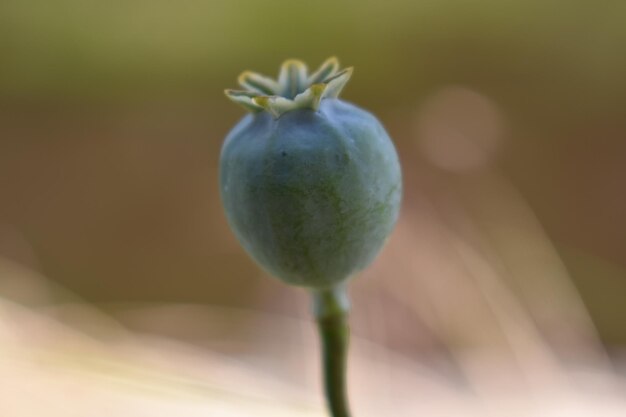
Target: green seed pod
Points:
x,y
311,184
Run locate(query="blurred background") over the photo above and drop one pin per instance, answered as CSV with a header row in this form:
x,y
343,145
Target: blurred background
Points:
x,y
501,291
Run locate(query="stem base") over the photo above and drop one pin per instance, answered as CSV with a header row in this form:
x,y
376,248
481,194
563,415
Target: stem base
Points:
x,y
331,311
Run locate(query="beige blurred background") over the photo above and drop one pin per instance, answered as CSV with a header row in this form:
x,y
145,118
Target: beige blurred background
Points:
x,y
506,275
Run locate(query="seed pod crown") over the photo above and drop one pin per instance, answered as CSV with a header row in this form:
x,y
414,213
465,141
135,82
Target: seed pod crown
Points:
x,y
294,89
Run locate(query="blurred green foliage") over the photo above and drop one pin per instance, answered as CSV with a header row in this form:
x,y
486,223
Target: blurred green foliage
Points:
x,y
571,49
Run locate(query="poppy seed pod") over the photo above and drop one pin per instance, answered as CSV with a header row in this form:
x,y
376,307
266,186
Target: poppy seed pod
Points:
x,y
311,184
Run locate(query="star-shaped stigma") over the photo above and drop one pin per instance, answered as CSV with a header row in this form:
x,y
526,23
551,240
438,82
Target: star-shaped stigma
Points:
x,y
294,89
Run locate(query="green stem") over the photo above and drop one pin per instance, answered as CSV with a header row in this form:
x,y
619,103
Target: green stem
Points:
x,y
331,311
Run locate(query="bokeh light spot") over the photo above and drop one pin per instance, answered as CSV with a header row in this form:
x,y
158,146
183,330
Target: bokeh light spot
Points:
x,y
458,129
